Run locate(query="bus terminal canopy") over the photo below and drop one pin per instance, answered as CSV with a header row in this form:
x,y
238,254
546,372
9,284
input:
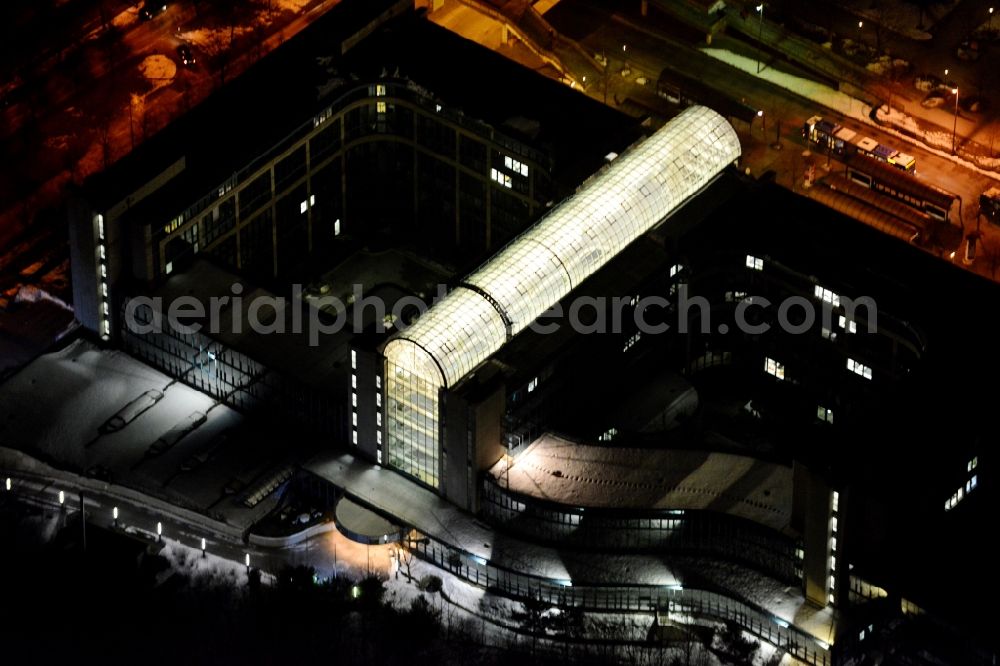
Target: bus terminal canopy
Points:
x,y
546,262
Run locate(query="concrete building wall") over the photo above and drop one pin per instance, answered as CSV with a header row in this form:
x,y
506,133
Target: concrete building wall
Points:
x,y
811,497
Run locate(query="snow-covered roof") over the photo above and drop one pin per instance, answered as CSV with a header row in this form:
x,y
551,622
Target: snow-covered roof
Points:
x,y
664,479
545,263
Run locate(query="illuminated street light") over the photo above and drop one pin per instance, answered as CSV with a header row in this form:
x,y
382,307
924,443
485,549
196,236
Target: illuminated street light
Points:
x,y
159,531
114,515
247,560
991,21
760,34
8,483
62,498
954,127
203,546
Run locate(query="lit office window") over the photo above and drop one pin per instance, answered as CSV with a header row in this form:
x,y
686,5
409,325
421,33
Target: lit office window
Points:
x,y
378,399
380,107
354,360
354,436
378,419
501,178
850,326
515,165
755,263
675,269
826,296
533,384
354,399
774,368
835,501
336,227
380,90
833,524
354,381
824,414
973,464
378,381
354,419
859,368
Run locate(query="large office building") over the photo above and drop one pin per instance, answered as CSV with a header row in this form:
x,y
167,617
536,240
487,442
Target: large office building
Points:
x,y
372,146
638,190
390,170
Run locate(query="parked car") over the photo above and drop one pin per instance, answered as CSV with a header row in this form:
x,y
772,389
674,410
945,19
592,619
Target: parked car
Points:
x,y
973,103
968,50
934,100
152,9
186,55
927,83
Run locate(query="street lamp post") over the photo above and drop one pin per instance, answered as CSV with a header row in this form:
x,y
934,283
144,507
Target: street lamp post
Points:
x,y
990,28
604,55
861,35
954,127
760,34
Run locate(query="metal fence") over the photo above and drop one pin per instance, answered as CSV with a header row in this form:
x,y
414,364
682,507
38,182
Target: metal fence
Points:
x,y
624,598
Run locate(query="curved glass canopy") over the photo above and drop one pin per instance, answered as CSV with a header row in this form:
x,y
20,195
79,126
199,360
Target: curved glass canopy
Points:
x,y
545,263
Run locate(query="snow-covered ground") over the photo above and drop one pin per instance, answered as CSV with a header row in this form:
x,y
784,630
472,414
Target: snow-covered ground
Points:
x,y
575,474
158,69
210,569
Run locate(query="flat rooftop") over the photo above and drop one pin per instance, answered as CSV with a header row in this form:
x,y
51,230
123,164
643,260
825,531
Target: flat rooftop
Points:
x,y
582,475
56,407
289,353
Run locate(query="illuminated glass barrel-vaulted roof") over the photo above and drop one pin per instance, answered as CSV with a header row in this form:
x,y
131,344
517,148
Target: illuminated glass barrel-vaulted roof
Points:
x,y
542,265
